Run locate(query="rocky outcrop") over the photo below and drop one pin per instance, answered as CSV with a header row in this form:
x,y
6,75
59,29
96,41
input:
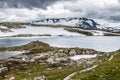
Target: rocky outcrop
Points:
x,y
40,78
42,53
3,70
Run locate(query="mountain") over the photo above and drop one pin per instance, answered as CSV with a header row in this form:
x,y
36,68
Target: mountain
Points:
x,y
84,23
76,22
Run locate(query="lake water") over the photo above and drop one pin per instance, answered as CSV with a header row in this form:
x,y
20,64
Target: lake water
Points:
x,y
39,31
7,54
100,43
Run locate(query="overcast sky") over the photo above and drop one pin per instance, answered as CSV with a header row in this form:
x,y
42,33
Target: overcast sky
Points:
x,y
25,10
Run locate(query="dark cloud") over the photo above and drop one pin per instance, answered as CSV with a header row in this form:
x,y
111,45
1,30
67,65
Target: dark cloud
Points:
x,y
26,3
96,9
115,18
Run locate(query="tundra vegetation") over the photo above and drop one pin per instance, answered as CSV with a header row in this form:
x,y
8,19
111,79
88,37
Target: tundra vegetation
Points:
x,y
55,63
19,25
41,60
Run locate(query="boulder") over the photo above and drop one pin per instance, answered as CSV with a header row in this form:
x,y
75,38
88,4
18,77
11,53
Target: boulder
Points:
x,y
40,78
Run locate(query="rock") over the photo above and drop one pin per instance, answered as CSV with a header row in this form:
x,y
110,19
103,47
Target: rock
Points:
x,y
51,60
40,78
3,69
61,51
59,67
23,59
72,52
32,60
12,78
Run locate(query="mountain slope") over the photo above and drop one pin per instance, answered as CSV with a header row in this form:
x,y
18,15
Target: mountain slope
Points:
x,y
84,23
108,70
76,22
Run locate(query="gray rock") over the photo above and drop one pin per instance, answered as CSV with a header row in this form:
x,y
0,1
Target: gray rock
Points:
x,y
40,78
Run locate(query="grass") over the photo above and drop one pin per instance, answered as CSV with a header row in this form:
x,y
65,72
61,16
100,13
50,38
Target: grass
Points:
x,y
20,25
34,46
79,31
29,35
14,24
108,70
52,72
17,25
33,70
38,47
111,34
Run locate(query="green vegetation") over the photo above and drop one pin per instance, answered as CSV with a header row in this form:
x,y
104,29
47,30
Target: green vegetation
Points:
x,y
38,47
20,25
79,31
53,71
33,47
32,70
108,70
29,35
14,24
111,34
17,25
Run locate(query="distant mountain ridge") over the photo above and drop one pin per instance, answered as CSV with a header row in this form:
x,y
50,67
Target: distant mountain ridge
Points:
x,y
76,22
84,23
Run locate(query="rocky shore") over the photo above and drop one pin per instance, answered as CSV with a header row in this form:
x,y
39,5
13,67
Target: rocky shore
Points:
x,y
39,53
16,29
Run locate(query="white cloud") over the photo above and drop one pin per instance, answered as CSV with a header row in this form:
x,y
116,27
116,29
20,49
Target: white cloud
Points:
x,y
101,9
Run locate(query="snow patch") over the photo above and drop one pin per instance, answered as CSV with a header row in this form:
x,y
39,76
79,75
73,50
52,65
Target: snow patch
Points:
x,y
3,27
39,31
98,33
78,57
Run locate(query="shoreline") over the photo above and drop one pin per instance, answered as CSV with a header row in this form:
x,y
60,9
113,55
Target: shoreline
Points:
x,y
41,54
7,26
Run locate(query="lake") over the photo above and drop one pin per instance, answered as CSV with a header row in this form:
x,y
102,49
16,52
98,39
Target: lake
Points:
x,y
7,54
100,43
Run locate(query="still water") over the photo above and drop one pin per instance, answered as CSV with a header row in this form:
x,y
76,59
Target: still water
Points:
x,y
100,43
7,54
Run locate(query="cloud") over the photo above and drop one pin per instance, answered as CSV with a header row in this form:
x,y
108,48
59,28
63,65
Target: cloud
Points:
x,y
25,3
27,10
94,8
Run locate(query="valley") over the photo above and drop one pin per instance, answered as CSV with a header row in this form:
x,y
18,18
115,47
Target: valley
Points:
x,y
58,49
59,39
38,60
81,26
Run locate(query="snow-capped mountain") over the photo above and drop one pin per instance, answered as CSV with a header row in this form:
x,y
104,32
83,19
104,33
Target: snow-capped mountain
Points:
x,y
77,22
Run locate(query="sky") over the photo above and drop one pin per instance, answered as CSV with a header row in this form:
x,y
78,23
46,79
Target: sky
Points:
x,y
28,10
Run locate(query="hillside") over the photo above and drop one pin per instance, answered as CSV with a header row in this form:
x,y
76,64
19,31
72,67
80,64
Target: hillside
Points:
x,y
108,70
58,63
84,23
87,27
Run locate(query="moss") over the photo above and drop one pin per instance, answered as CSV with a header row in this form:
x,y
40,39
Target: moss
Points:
x,y
79,31
29,35
37,70
20,75
30,46
14,24
107,70
111,34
